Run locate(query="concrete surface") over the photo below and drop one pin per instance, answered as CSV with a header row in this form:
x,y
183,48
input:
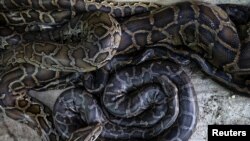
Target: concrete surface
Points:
x,y
217,105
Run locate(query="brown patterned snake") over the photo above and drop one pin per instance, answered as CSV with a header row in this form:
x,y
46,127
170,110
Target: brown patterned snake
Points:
x,y
135,97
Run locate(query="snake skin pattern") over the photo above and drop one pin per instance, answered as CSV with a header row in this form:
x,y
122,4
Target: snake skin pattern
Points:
x,y
135,123
116,9
120,65
94,50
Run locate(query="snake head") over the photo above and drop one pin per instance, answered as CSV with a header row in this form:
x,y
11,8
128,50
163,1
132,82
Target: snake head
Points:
x,y
89,133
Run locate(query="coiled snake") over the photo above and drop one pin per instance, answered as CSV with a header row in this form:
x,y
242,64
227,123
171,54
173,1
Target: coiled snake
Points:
x,y
58,44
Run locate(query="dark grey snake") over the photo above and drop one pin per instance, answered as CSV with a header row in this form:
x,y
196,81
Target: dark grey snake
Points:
x,y
117,88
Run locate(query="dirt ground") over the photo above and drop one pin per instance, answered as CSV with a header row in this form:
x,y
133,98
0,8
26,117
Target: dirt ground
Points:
x,y
217,105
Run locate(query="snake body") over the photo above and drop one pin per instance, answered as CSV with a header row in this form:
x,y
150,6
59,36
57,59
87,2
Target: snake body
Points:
x,y
117,9
42,50
143,30
93,51
137,123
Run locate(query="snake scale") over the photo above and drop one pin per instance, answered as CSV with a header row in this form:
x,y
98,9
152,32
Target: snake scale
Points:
x,y
119,62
